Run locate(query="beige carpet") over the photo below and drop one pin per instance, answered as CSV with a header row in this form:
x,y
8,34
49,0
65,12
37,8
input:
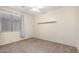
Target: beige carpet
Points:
x,y
36,46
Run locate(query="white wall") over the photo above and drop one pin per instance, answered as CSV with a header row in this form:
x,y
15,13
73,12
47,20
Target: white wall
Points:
x,y
63,31
77,27
9,37
29,26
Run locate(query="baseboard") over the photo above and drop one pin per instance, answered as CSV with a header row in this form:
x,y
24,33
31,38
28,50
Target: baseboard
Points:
x,y
54,41
16,41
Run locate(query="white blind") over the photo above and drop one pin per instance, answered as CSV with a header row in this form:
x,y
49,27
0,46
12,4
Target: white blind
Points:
x,y
9,23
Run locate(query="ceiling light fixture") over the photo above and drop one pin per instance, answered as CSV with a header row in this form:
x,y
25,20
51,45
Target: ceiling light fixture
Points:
x,y
36,6
35,9
39,7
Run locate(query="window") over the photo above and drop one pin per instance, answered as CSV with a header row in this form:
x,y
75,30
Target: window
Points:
x,y
5,23
15,22
9,23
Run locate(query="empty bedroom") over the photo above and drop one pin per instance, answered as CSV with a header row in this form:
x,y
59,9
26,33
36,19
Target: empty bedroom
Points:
x,y
39,29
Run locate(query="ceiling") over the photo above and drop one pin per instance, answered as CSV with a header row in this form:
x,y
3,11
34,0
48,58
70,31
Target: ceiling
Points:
x,y
27,9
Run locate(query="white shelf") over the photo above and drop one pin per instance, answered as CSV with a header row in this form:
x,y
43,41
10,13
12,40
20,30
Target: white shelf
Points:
x,y
47,22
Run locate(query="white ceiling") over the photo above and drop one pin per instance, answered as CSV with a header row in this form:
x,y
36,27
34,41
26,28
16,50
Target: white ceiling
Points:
x,y
27,9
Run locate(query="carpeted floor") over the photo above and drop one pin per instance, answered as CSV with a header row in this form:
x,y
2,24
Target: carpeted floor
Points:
x,y
36,46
